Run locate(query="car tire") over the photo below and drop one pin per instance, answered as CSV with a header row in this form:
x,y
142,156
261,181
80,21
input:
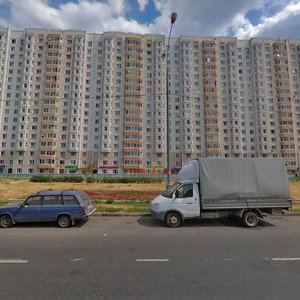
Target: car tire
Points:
x,y
6,221
64,221
173,219
250,219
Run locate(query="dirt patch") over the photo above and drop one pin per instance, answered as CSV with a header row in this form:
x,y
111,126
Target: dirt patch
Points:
x,y
295,190
17,190
12,190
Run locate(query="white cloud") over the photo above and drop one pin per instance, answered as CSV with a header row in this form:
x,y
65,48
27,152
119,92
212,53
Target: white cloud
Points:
x,y
198,18
89,15
222,18
142,4
203,17
33,13
280,24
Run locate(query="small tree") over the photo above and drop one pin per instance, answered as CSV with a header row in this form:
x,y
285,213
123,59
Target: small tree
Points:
x,y
88,170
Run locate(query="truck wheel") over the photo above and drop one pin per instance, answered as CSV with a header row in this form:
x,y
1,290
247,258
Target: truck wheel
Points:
x,y
6,221
250,219
173,219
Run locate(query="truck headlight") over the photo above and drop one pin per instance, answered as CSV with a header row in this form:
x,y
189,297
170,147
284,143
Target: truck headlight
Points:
x,y
155,206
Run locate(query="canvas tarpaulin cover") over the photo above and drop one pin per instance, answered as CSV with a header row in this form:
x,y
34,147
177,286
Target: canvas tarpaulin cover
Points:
x,y
243,178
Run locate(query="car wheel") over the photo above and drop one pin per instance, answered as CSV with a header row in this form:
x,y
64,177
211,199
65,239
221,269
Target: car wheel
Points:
x,y
64,221
173,219
6,221
250,219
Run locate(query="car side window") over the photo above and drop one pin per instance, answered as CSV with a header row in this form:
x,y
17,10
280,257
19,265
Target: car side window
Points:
x,y
185,191
52,200
33,201
70,200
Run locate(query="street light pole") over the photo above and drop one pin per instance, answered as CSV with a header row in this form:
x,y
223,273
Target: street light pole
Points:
x,y
173,19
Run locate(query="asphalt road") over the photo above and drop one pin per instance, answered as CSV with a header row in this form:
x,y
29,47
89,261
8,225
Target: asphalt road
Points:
x,y
139,258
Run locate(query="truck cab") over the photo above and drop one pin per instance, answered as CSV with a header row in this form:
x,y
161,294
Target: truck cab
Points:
x,y
182,201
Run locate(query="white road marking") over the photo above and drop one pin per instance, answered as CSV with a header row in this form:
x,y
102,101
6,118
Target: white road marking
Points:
x,y
152,260
76,259
13,261
285,258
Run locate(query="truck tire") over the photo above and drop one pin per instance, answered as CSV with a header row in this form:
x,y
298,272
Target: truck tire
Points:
x,y
250,219
173,219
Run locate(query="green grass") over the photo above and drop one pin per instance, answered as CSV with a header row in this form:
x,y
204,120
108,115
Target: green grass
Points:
x,y
108,209
122,206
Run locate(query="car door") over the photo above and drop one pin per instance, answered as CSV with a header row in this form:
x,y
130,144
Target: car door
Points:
x,y
185,201
29,211
51,207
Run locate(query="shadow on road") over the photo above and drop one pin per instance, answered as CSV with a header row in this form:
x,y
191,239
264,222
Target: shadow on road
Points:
x,y
78,224
149,221
221,222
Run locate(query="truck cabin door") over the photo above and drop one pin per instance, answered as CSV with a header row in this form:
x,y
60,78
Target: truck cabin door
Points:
x,y
186,201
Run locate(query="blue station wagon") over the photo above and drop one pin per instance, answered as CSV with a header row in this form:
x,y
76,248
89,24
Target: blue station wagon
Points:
x,y
64,207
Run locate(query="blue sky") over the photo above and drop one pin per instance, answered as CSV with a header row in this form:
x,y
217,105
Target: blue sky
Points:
x,y
241,18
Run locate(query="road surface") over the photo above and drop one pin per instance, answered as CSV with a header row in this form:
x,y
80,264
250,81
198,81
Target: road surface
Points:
x,y
139,258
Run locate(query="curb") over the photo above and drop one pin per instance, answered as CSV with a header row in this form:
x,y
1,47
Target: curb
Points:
x,y
291,214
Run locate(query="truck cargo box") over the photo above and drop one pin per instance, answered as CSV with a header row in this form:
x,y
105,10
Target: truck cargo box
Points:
x,y
227,183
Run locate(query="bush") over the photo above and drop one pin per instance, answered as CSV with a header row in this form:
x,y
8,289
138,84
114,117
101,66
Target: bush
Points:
x,y
91,180
130,180
73,179
78,179
49,178
40,178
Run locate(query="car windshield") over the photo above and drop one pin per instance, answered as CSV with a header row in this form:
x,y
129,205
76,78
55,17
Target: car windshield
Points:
x,y
171,190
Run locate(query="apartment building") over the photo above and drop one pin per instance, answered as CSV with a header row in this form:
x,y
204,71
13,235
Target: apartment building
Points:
x,y
72,100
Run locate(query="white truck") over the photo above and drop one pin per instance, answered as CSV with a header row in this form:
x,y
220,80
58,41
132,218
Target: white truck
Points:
x,y
219,187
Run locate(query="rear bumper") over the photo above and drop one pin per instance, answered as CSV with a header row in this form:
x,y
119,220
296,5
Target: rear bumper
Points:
x,y
91,212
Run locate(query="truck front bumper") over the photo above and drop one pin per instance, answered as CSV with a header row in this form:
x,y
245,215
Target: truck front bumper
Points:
x,y
160,215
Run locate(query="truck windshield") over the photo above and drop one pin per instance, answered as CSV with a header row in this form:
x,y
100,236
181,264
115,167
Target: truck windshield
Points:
x,y
172,189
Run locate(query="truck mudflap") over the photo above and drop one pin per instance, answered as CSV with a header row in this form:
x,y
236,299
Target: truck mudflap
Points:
x,y
276,212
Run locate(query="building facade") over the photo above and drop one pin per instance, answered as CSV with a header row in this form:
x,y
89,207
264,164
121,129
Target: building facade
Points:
x,y
74,100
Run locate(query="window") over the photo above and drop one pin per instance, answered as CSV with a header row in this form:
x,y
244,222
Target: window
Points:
x,y
33,201
70,200
52,200
185,191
